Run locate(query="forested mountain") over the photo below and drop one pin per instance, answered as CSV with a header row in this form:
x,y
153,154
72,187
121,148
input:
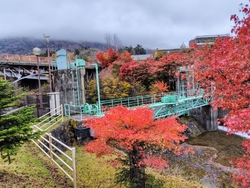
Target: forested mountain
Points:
x,y
24,46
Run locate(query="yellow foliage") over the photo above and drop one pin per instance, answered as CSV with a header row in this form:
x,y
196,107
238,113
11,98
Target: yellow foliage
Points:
x,y
91,91
114,88
158,54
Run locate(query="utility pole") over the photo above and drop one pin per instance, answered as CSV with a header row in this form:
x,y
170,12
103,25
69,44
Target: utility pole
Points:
x,y
47,41
37,51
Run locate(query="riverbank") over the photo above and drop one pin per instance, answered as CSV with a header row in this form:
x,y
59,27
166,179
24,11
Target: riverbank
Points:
x,y
210,165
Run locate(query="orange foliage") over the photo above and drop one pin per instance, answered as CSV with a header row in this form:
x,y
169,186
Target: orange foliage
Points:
x,y
159,87
125,57
135,129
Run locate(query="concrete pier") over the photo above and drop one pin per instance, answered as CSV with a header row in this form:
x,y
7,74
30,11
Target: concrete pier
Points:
x,y
206,116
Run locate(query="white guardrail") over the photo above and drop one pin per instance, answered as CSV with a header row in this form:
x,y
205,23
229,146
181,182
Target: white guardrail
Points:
x,y
49,145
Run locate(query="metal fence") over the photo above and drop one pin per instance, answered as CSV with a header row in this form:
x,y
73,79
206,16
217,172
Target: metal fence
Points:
x,y
66,162
49,119
49,145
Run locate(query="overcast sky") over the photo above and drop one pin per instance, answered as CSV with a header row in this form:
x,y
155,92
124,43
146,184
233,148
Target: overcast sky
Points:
x,y
151,23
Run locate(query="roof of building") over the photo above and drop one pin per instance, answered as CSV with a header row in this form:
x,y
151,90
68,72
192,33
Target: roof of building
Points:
x,y
212,36
207,39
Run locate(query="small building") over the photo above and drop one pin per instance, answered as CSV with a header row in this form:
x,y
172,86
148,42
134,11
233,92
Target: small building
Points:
x,y
207,39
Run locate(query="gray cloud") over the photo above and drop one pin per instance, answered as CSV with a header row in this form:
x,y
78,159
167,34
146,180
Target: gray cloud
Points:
x,y
153,24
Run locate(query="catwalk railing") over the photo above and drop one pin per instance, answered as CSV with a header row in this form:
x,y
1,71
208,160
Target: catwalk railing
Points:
x,y
165,104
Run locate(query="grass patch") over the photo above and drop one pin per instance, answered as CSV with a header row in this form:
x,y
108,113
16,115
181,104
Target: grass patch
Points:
x,y
95,172
173,179
25,171
33,169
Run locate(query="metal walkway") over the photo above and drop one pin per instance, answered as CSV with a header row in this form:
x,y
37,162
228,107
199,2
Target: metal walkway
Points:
x,y
167,104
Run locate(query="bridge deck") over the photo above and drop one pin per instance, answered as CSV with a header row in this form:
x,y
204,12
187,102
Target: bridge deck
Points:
x,y
166,104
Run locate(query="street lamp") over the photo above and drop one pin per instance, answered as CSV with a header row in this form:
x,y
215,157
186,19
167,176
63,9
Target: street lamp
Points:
x,y
47,40
98,88
37,52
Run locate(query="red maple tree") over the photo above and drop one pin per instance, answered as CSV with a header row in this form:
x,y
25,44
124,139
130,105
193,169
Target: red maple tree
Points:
x,y
150,70
123,59
169,63
126,71
140,71
223,70
135,132
107,58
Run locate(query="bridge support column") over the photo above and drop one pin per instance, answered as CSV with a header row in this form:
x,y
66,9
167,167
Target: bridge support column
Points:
x,y
82,73
206,116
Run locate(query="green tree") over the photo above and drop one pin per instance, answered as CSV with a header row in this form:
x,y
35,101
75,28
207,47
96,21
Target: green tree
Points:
x,y
77,51
139,50
129,49
15,128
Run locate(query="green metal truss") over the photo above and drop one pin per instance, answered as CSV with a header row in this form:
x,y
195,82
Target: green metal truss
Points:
x,y
167,104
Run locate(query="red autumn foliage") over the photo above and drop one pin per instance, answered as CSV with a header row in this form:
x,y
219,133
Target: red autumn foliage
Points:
x,y
140,71
126,70
149,71
242,175
134,131
124,58
107,58
169,63
223,70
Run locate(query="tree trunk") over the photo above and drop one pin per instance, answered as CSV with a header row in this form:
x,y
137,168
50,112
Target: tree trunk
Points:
x,y
137,172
